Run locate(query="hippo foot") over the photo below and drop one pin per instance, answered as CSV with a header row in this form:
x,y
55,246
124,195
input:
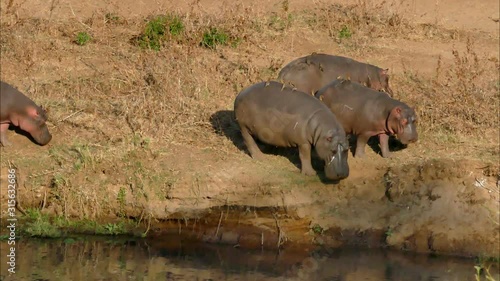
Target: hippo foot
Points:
x,y
259,156
387,155
360,155
6,143
308,172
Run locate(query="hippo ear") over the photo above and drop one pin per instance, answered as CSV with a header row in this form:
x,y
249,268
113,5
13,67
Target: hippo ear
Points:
x,y
396,112
384,71
32,112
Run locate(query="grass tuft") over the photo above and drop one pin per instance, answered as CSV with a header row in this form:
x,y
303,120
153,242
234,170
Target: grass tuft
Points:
x,y
82,38
213,37
158,30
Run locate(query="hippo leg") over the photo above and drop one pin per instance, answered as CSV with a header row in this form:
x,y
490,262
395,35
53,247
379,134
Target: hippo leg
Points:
x,y
384,145
251,144
360,146
3,134
305,159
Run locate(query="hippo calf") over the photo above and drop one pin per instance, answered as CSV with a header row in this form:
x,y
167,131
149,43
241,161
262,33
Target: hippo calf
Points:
x,y
312,72
280,116
364,112
21,111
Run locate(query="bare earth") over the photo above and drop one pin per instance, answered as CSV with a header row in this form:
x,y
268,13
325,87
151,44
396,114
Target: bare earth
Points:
x,y
167,149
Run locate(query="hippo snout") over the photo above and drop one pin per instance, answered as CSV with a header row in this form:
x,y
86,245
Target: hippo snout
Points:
x,y
44,137
340,174
408,138
337,168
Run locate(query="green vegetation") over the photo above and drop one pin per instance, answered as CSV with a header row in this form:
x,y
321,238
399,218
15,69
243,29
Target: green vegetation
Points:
x,y
345,33
213,37
482,267
110,17
82,38
37,224
317,229
157,30
176,26
121,200
4,237
388,232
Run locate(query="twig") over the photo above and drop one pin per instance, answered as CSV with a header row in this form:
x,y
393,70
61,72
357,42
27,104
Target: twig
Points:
x,y
218,226
44,199
280,232
69,116
91,66
149,225
20,209
43,174
73,12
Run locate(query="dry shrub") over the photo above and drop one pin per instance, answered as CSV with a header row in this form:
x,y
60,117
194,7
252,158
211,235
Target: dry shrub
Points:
x,y
374,21
462,98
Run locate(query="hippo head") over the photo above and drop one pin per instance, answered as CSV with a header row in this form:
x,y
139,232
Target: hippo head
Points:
x,y
35,124
403,122
333,148
381,83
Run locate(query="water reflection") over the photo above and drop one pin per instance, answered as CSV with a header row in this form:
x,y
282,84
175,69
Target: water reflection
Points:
x,y
92,258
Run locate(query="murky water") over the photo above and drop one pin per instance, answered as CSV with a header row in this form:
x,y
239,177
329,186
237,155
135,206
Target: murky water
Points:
x,y
92,258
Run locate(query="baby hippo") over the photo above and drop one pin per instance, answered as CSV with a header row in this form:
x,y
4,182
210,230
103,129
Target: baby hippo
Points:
x,y
280,116
21,111
365,112
312,72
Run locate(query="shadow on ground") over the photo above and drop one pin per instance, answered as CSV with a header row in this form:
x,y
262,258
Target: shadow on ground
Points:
x,y
373,143
224,124
21,132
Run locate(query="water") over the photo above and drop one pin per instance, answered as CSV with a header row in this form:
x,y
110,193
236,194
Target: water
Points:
x,y
93,258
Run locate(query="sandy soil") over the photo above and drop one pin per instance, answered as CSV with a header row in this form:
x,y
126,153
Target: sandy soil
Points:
x,y
437,196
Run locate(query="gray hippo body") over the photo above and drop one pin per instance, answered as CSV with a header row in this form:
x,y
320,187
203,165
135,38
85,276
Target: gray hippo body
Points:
x,y
364,112
19,110
312,72
280,116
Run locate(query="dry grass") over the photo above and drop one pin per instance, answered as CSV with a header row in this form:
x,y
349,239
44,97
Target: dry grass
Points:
x,y
461,98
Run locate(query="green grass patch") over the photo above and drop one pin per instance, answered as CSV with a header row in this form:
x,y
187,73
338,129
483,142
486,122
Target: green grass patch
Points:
x,y
82,38
317,229
213,37
41,225
158,30
345,32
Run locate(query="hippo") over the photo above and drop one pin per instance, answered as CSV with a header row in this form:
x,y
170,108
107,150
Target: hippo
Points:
x,y
365,112
312,72
19,110
278,115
